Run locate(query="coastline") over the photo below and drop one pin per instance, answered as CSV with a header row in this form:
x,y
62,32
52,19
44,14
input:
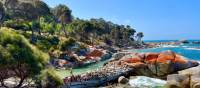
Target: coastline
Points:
x,y
128,51
109,64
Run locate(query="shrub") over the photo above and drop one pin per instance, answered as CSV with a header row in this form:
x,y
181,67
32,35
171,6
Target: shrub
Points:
x,y
18,58
67,44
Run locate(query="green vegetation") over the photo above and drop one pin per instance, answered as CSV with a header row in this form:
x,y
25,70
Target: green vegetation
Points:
x,y
31,30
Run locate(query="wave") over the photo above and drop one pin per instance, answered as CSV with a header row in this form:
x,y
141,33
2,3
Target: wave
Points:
x,y
169,46
184,46
146,82
192,48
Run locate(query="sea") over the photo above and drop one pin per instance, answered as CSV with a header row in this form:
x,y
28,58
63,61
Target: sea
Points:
x,y
190,50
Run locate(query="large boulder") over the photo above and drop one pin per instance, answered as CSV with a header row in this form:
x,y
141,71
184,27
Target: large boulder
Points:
x,y
164,63
150,60
195,81
190,71
177,81
189,78
123,80
151,57
184,41
158,64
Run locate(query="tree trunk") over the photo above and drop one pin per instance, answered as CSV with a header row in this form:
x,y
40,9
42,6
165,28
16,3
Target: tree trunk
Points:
x,y
32,37
20,83
63,28
39,31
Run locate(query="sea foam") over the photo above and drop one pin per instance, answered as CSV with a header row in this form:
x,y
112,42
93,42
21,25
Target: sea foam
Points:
x,y
146,82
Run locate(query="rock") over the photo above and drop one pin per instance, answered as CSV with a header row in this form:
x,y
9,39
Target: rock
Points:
x,y
184,41
196,42
157,64
123,80
181,63
151,57
132,59
164,63
190,71
195,81
166,56
106,56
189,78
177,81
95,53
118,56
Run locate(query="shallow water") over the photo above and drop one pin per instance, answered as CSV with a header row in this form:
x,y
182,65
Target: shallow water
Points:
x,y
85,69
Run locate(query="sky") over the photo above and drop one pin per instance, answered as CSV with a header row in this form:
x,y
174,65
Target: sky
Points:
x,y
157,19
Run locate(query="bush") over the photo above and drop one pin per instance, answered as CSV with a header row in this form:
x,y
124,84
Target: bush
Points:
x,y
44,45
67,44
49,79
18,58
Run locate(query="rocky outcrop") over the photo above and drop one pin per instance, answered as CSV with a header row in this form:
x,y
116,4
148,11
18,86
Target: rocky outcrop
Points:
x,y
21,9
157,64
184,41
189,78
196,42
177,81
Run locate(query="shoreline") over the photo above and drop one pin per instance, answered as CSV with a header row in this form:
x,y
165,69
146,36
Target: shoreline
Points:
x,y
117,61
109,59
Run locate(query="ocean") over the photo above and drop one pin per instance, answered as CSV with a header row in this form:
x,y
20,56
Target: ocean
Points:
x,y
191,51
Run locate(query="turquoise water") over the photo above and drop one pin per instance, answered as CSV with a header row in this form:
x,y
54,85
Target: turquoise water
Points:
x,y
81,70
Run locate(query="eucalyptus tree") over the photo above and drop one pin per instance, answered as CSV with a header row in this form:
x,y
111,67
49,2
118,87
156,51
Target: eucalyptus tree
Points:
x,y
2,13
63,15
18,58
139,36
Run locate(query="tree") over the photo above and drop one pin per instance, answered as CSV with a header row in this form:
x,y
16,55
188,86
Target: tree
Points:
x,y
63,15
139,36
2,13
18,58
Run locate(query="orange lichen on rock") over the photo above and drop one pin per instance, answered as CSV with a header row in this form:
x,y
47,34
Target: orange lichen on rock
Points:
x,y
136,65
166,57
134,59
180,59
95,53
151,57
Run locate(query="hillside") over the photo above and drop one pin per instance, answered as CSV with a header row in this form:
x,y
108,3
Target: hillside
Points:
x,y
33,33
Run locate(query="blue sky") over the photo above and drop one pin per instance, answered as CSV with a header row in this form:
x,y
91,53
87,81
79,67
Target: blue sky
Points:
x,y
158,19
